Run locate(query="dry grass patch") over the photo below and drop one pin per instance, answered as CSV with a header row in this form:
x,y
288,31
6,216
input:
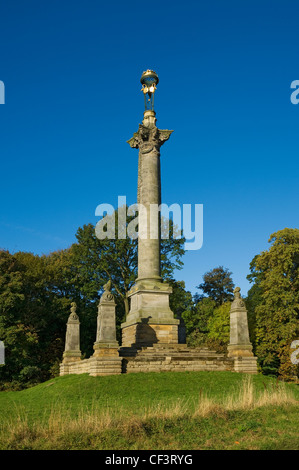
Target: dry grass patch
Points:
x,y
247,397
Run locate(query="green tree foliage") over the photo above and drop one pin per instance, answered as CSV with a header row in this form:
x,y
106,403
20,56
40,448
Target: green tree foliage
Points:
x,y
30,319
206,321
275,300
180,299
197,317
252,300
219,323
217,285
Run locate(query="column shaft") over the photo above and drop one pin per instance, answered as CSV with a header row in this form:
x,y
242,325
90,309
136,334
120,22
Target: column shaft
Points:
x,y
149,194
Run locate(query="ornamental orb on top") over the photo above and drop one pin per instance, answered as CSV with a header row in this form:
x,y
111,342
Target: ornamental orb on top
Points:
x,y
149,80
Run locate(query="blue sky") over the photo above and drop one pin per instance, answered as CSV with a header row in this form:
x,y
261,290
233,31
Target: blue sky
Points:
x,y
71,72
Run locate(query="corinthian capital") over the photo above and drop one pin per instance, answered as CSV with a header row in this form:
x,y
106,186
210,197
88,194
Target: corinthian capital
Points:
x,y
147,137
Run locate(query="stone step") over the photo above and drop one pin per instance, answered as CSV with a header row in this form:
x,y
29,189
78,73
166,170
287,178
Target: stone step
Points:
x,y
173,353
176,357
128,352
182,353
177,348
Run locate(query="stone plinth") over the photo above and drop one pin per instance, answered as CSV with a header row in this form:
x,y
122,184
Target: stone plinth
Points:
x,y
245,364
150,319
150,300
105,360
146,334
94,366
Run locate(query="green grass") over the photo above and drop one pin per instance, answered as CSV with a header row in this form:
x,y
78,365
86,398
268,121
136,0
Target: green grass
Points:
x,y
160,411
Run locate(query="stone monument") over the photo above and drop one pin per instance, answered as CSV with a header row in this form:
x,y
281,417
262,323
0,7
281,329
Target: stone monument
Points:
x,y
240,347
150,319
153,340
105,359
72,350
106,327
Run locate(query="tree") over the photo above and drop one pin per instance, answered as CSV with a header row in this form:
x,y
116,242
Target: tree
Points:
x,y
197,318
253,299
218,285
28,319
275,278
180,300
12,331
206,321
219,323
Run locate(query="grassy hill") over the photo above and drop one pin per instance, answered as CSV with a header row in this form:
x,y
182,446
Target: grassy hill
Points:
x,y
159,411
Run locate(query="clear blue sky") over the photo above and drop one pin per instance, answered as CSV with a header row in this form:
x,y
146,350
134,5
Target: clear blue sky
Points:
x,y
71,71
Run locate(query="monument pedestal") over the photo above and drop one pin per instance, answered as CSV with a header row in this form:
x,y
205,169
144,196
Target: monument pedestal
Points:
x,y
105,360
239,350
150,319
71,356
143,334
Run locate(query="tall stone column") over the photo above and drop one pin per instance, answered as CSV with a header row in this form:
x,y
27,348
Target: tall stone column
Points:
x,y
150,319
148,139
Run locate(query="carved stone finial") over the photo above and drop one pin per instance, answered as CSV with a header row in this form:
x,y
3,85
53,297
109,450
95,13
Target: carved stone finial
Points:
x,y
107,296
73,314
237,302
237,292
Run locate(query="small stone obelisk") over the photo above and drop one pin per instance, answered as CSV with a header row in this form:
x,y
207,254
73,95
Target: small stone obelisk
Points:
x,y
150,319
240,347
72,350
105,359
106,325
